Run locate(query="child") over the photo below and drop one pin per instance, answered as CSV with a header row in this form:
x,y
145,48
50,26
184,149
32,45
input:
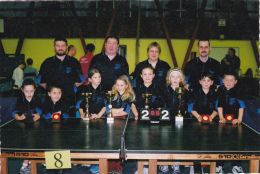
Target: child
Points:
x,y
204,98
147,74
97,101
27,104
174,79
124,96
54,104
230,101
121,104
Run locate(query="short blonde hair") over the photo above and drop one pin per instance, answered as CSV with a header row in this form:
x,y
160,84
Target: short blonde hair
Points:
x,y
183,82
154,44
129,92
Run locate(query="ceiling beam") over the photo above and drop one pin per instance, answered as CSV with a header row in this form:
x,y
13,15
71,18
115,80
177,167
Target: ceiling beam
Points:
x,y
76,20
196,29
24,28
137,43
166,32
111,24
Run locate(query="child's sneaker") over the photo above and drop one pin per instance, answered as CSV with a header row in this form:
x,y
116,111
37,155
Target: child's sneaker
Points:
x,y
237,169
164,168
25,170
94,169
191,169
86,165
219,169
176,169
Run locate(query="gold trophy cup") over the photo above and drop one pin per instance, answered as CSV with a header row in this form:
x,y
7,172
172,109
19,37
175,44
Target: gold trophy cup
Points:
x,y
147,97
180,92
87,115
110,96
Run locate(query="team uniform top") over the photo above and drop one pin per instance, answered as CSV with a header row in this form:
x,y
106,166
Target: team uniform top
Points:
x,y
203,103
119,103
230,100
160,71
64,73
97,100
157,97
109,69
172,101
23,106
49,108
195,67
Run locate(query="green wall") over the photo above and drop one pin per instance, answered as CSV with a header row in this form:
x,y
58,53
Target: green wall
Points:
x,y
40,49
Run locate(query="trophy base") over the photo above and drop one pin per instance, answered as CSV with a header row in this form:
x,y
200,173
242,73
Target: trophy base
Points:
x,y
110,119
178,119
86,119
178,124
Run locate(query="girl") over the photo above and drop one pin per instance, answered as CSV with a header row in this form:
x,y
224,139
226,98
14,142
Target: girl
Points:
x,y
27,104
54,104
124,96
174,79
156,101
97,101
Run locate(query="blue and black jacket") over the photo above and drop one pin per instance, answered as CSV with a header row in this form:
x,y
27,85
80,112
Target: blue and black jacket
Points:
x,y
203,103
109,69
160,72
156,101
230,100
23,106
64,73
119,103
195,67
97,100
49,108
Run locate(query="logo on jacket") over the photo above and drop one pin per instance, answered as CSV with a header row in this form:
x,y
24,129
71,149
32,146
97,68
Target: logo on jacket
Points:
x,y
160,73
68,69
117,66
232,101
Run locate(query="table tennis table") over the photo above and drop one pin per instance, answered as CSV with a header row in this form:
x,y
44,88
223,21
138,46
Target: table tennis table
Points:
x,y
124,139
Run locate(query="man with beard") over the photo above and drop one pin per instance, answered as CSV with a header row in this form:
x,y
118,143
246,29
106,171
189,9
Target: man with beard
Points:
x,y
64,71
203,63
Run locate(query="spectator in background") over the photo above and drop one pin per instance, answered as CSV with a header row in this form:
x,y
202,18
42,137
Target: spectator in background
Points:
x,y
230,62
30,72
86,59
72,50
18,75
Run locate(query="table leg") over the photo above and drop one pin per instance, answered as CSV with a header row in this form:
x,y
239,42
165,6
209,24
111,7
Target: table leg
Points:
x,y
33,166
212,168
4,165
152,166
140,167
254,166
103,166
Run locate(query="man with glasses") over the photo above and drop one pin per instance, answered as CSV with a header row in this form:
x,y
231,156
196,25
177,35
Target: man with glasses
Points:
x,y
110,64
231,62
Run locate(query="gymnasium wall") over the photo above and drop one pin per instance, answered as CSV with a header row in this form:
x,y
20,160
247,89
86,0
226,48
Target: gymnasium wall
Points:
x,y
40,49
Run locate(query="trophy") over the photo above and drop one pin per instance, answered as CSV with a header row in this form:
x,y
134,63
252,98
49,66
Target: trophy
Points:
x,y
110,96
180,92
87,96
147,97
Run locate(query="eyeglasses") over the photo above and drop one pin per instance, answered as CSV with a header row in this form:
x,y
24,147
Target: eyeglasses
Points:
x,y
112,43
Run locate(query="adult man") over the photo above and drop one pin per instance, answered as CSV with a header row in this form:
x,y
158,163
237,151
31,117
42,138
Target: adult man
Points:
x,y
160,67
72,50
110,64
203,63
62,70
231,62
86,59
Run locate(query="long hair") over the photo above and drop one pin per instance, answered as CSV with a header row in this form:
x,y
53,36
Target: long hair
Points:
x,y
93,72
129,93
168,81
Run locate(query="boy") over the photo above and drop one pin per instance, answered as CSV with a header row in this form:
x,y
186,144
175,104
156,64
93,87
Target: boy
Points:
x,y
204,98
54,104
230,101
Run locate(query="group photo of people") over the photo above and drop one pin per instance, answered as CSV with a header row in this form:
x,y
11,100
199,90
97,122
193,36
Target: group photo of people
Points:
x,y
211,94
